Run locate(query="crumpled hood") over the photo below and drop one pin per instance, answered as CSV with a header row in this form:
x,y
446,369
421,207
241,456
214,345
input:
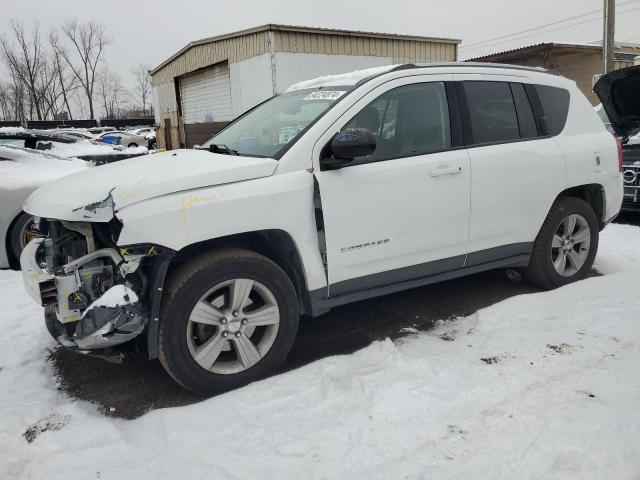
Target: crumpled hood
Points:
x,y
96,193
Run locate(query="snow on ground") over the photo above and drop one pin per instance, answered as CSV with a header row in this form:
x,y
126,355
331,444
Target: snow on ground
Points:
x,y
31,168
544,385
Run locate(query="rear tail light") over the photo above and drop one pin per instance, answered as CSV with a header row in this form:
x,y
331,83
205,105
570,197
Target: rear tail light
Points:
x,y
619,144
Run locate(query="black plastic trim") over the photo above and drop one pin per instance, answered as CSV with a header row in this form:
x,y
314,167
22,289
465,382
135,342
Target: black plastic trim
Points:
x,y
455,115
497,253
321,304
159,274
467,133
397,275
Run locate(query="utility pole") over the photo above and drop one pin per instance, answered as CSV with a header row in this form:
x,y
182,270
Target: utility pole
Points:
x,y
608,44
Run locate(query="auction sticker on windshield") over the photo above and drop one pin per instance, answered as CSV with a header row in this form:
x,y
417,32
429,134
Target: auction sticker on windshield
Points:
x,y
325,95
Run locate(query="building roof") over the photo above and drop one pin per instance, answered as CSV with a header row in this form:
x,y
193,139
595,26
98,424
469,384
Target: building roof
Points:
x,y
301,29
541,47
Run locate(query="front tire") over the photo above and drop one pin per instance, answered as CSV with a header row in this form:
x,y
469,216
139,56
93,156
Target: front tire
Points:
x,y
228,318
566,245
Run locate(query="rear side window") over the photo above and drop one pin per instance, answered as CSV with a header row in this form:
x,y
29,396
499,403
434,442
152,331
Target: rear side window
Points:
x,y
492,112
526,120
555,108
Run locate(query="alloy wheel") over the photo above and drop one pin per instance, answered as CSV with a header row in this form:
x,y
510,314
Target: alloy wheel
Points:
x,y
233,326
571,245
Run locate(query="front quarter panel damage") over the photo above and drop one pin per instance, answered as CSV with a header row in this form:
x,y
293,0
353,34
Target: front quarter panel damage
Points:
x,y
101,211
280,202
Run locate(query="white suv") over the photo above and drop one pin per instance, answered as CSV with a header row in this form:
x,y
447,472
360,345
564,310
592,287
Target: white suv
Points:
x,y
340,189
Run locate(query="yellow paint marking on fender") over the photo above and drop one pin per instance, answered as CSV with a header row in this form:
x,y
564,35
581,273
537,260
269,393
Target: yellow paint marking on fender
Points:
x,y
187,203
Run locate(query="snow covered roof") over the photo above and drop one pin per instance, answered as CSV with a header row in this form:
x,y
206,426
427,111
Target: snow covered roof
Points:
x,y
342,79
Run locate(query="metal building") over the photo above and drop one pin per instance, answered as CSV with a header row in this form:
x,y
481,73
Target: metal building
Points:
x,y
211,81
581,63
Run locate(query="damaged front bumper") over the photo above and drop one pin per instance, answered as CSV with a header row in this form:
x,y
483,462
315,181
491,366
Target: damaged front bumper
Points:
x,y
92,310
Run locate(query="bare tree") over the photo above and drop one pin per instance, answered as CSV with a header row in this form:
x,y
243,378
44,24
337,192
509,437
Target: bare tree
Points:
x,y
68,84
142,87
112,93
87,42
26,62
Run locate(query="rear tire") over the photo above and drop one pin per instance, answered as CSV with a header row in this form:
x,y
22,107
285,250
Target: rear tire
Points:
x,y
566,245
228,318
131,145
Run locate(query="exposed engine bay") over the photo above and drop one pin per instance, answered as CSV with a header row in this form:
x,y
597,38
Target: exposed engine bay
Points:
x,y
95,293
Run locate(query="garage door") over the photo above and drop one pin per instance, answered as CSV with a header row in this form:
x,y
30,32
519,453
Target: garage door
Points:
x,y
205,98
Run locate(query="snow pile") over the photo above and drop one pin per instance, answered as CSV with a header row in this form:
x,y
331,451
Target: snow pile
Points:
x,y
84,148
31,168
538,386
11,130
116,296
134,151
342,79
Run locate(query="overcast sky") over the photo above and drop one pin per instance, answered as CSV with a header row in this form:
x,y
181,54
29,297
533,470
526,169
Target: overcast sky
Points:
x,y
149,32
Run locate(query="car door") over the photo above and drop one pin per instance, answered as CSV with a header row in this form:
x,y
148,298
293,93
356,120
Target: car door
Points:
x,y
403,212
516,170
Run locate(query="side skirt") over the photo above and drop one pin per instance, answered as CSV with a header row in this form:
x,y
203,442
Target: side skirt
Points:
x,y
321,304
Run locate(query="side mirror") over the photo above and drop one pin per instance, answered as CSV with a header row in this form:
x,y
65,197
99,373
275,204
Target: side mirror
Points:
x,y
347,145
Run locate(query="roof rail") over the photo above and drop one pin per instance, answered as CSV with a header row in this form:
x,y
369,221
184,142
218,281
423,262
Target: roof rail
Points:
x,y
476,64
409,66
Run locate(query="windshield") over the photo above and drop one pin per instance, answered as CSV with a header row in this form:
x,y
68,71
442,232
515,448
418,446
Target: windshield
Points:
x,y
274,125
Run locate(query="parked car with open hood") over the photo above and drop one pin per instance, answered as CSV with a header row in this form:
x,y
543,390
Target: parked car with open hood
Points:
x,y
616,111
22,170
341,189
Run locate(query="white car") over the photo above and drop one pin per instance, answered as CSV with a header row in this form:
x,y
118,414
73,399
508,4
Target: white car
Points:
x,y
23,170
126,139
78,133
143,131
340,189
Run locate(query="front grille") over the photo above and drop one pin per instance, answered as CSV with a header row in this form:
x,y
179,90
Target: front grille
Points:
x,y
631,179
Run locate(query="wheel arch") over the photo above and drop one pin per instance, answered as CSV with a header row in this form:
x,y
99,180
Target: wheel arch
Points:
x,y
275,244
593,194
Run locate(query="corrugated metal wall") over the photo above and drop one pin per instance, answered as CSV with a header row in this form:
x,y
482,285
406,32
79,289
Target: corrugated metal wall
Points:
x,y
200,56
401,50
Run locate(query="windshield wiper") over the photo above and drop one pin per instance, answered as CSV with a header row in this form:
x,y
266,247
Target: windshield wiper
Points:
x,y
223,149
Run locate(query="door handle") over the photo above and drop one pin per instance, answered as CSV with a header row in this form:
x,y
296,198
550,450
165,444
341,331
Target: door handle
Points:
x,y
438,172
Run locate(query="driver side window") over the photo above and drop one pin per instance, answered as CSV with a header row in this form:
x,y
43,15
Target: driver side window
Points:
x,y
406,121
